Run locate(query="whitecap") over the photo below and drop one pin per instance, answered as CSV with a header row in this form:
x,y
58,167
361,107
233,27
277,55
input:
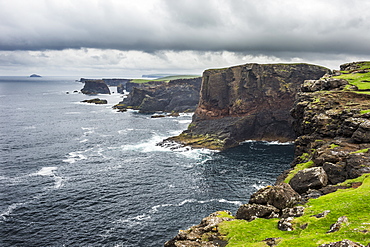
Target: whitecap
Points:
x,y
135,220
46,171
9,210
50,171
156,208
75,156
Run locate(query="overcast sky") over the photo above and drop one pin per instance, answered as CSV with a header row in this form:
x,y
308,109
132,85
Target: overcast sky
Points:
x,y
134,37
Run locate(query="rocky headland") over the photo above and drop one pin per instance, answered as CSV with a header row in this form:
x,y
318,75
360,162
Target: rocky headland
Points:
x,y
181,95
247,102
324,199
92,87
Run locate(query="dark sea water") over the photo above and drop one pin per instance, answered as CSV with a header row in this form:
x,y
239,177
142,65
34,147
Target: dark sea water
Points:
x,y
76,174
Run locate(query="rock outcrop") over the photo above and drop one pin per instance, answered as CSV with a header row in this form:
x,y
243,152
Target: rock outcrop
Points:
x,y
204,234
333,125
180,95
96,101
95,87
247,102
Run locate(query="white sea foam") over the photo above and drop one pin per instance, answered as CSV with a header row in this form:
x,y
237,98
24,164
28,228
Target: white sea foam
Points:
x,y
9,210
259,186
133,221
75,156
124,131
267,142
188,121
46,171
73,113
208,201
50,171
277,143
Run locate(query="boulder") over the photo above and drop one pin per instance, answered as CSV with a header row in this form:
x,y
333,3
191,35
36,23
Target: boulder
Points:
x,y
323,84
343,243
280,196
357,164
252,211
292,212
337,225
96,101
336,172
362,134
310,178
285,224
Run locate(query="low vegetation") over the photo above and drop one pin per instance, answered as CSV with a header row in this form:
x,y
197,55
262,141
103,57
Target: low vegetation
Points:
x,y
354,203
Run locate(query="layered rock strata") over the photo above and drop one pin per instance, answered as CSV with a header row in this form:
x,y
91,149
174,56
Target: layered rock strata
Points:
x,y
247,102
180,95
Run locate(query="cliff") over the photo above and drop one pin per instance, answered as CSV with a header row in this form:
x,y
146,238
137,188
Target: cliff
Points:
x,y
324,199
181,95
247,102
95,87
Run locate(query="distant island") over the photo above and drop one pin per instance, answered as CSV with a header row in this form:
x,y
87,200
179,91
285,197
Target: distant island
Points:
x,y
35,75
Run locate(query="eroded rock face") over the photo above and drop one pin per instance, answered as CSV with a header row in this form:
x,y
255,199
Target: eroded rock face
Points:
x,y
251,101
177,95
95,87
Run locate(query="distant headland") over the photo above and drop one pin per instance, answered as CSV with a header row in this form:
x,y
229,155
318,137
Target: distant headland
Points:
x,y
35,75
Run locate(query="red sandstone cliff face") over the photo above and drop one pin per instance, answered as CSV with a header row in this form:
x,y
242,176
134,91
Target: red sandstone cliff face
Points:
x,y
250,101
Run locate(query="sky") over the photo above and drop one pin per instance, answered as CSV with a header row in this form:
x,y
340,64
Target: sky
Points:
x,y
126,38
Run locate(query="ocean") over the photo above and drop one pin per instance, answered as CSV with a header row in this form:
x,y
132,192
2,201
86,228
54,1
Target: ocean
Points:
x,y
79,174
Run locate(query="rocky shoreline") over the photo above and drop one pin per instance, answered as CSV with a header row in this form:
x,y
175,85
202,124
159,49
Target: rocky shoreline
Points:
x,y
309,201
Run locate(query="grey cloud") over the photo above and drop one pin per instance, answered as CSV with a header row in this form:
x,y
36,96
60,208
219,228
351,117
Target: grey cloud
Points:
x,y
254,27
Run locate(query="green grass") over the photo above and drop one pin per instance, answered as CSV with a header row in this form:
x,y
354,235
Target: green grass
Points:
x,y
364,111
166,79
332,146
298,168
361,151
353,203
361,80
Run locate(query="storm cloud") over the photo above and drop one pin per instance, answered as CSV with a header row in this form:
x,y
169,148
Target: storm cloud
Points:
x,y
265,30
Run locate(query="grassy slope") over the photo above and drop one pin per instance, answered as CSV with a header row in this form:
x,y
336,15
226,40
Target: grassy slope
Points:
x,y
361,80
353,203
166,79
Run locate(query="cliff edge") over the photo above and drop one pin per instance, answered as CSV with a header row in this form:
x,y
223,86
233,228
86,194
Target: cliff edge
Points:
x,y
247,102
323,200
